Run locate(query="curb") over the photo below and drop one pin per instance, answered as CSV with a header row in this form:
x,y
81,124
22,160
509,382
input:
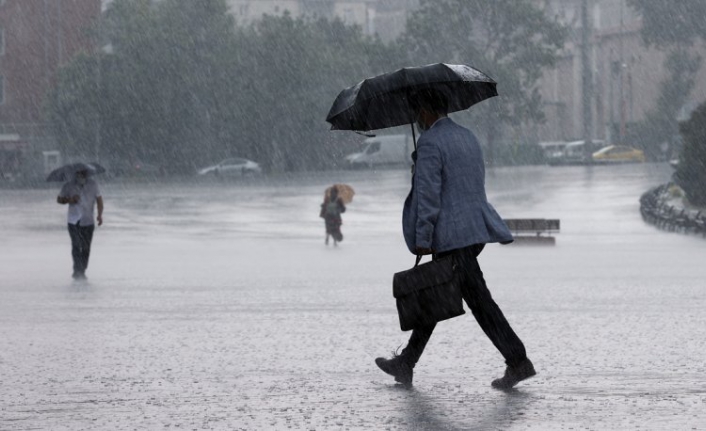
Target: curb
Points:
x,y
657,212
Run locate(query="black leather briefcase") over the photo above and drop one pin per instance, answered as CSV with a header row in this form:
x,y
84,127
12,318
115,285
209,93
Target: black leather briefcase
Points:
x,y
428,293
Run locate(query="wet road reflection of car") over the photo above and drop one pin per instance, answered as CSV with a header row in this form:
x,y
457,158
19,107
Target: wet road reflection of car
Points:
x,y
235,166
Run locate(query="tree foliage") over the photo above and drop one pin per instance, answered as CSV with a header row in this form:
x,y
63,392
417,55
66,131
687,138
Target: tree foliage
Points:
x,y
675,27
183,85
295,69
511,40
74,111
691,171
666,24
660,125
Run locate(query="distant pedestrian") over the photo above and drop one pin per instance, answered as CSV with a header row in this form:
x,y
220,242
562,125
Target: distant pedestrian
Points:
x,y
82,195
447,214
331,210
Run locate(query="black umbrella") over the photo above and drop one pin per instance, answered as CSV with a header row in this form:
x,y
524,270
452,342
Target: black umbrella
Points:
x,y
383,101
68,172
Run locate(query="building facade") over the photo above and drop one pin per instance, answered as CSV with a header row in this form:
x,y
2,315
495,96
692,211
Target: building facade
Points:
x,y
36,38
625,75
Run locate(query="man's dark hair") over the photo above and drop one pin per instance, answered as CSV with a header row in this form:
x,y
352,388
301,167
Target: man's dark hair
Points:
x,y
430,99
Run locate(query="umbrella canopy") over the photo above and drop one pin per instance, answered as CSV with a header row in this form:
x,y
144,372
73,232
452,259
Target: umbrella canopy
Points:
x,y
68,172
383,101
345,192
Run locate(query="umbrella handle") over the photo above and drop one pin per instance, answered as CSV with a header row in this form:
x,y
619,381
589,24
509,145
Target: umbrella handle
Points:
x,y
414,153
414,136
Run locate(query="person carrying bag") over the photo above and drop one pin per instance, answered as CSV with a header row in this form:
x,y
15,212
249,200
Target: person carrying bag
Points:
x,y
447,215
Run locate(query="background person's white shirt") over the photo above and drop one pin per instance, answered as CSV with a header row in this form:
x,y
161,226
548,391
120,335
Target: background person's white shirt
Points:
x,y
83,210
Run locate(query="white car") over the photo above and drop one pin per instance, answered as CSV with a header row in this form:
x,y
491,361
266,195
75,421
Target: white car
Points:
x,y
235,166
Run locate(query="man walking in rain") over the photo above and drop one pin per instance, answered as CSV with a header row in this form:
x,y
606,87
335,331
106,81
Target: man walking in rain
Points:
x,y
447,213
82,195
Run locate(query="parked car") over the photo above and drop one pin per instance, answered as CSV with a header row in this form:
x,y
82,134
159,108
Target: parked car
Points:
x,y
387,150
618,154
552,149
235,166
574,153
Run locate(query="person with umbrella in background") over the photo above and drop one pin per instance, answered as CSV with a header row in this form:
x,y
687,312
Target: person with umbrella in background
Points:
x,y
331,209
82,194
446,212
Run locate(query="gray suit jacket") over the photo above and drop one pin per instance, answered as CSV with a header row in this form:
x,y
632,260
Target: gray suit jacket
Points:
x,y
447,207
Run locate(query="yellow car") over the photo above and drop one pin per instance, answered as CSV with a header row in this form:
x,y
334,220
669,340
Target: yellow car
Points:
x,y
619,154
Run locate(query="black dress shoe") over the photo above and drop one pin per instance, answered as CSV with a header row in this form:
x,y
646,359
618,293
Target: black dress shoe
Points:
x,y
398,368
514,375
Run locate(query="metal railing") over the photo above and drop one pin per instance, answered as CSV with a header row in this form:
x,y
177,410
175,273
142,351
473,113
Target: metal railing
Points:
x,y
656,211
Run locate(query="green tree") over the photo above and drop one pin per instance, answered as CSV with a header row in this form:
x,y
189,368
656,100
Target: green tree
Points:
x,y
177,67
511,40
295,68
660,124
666,24
163,95
127,78
75,109
691,171
185,86
675,27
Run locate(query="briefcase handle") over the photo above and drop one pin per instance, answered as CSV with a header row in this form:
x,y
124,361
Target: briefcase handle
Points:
x,y
419,259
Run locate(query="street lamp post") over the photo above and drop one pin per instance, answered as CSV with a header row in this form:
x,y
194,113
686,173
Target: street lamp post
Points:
x,y
99,83
587,92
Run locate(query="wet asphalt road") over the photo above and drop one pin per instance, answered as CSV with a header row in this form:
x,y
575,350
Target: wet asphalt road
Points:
x,y
216,305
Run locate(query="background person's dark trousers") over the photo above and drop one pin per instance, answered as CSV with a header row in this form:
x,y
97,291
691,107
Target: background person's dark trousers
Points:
x,y
81,237
486,311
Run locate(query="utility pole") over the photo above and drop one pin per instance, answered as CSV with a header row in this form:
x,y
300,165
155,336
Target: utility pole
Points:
x,y
59,35
610,132
99,83
586,75
621,72
45,40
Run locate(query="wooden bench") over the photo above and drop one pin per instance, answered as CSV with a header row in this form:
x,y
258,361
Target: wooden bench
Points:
x,y
533,230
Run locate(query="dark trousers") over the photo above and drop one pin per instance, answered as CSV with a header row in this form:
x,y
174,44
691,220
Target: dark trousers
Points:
x,y
483,307
81,237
